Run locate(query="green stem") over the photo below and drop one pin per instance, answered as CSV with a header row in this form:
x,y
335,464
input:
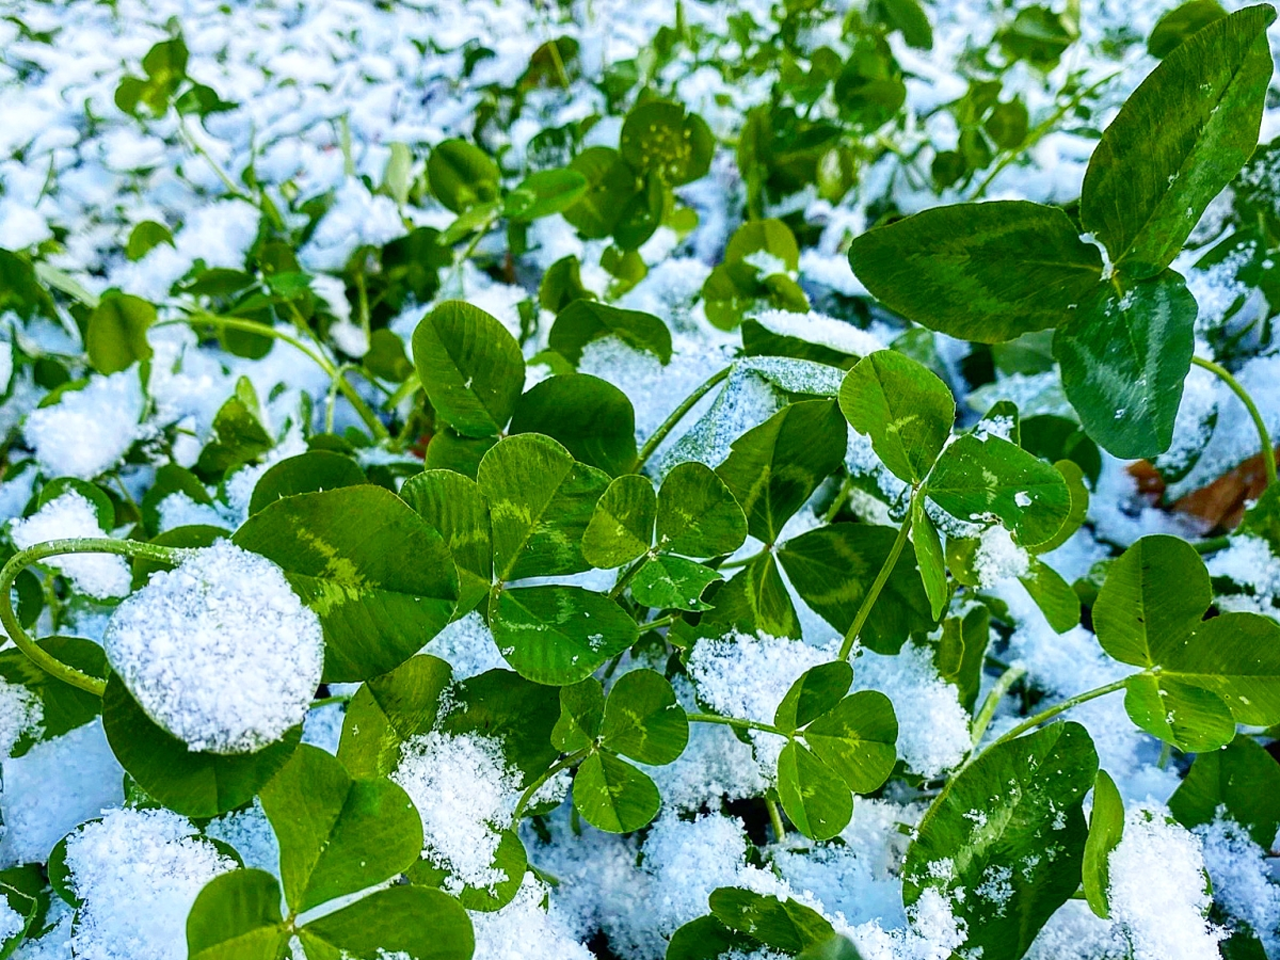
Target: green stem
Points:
x,y
52,548
666,621
406,389
735,722
627,576
562,764
877,585
775,818
207,157
1065,705
370,418
1212,545
328,701
1268,449
735,564
1038,133
983,719
677,415
61,280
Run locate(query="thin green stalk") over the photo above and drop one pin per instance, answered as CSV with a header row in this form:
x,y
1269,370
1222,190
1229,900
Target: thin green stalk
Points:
x,y
988,710
735,564
775,818
735,722
328,701
376,426
1036,134
1268,449
877,585
52,548
562,764
677,415
1032,722
207,157
61,280
406,389
666,621
627,576
1212,545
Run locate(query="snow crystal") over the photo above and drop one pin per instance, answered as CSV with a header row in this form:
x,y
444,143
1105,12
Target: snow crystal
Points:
x,y
178,509
219,651
1242,882
52,788
55,944
20,711
356,219
11,922
465,793
138,873
467,644
998,557
249,832
524,930
70,515
746,677
87,431
1249,562
821,329
1075,932
1158,891
933,728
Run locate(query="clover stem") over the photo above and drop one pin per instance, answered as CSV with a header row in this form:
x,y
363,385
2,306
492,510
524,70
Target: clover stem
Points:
x,y
666,621
562,764
406,389
735,722
677,415
1268,449
775,818
52,548
330,700
1062,707
734,564
877,585
331,370
998,690
627,576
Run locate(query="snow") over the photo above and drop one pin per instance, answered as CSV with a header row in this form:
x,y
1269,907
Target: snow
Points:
x,y
67,516
21,711
524,930
137,873
998,557
747,677
467,643
249,832
219,651
933,728
1243,884
465,793
87,431
52,788
821,329
1158,892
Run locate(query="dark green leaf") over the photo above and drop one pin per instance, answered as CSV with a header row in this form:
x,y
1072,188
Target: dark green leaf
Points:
x,y
706,938
857,740
1106,827
673,583
540,503
1004,842
236,916
389,709
1179,139
1054,596
510,709
470,367
117,333
591,417
659,136
193,784
621,527
306,473
63,707
1189,717
559,634
774,468
643,720
905,409
832,568
781,924
452,504
337,835
992,478
697,513
930,559
1243,778
581,713
415,922
1178,24
381,580
462,175
814,797
814,692
1123,359
545,192
583,321
614,796
979,271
